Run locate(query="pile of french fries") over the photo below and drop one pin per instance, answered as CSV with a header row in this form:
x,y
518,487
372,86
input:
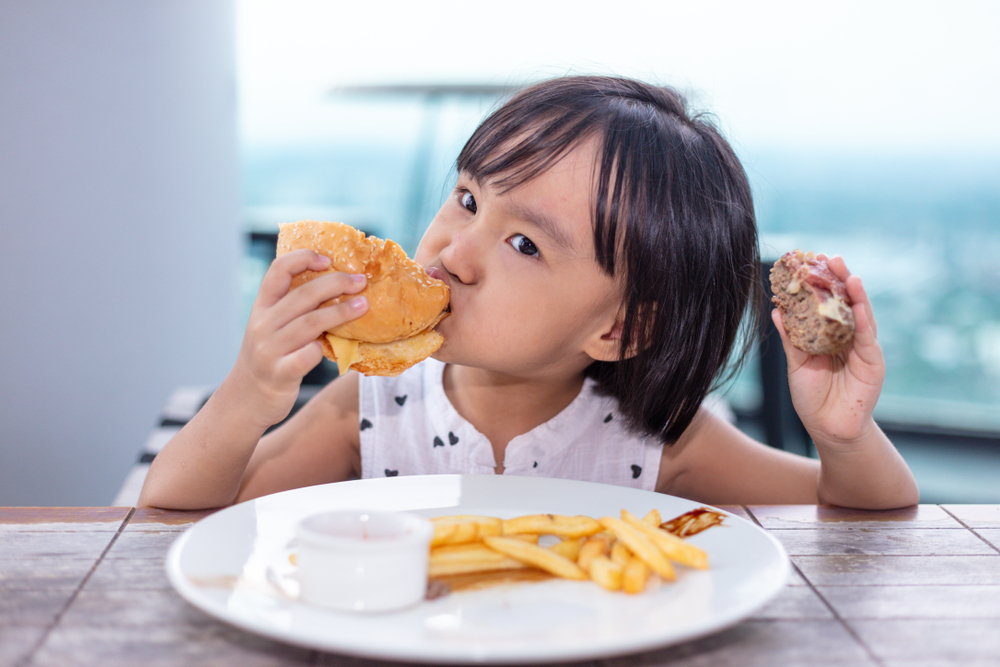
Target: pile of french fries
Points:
x,y
617,554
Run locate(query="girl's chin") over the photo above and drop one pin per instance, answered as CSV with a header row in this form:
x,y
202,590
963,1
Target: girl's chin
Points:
x,y
445,353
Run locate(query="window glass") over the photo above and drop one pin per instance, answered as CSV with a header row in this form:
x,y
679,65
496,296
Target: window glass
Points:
x,y
867,131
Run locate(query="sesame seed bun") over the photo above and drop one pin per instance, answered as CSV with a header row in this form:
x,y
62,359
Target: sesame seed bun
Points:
x,y
405,304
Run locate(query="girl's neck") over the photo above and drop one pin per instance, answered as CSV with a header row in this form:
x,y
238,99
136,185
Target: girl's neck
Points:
x,y
502,407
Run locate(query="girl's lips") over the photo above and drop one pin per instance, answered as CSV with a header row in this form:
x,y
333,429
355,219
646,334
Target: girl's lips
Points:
x,y
439,274
435,272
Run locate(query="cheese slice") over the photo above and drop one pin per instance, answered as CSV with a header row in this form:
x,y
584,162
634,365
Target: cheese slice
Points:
x,y
345,350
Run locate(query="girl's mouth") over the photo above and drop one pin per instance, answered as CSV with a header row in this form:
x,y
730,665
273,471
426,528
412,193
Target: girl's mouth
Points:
x,y
438,274
435,272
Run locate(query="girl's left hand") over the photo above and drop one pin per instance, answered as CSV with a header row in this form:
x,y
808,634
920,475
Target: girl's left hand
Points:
x,y
834,396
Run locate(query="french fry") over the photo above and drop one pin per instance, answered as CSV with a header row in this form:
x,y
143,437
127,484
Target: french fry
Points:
x,y
552,524
617,554
464,528
606,573
641,546
620,553
568,548
669,545
464,558
523,537
540,557
444,533
598,545
634,576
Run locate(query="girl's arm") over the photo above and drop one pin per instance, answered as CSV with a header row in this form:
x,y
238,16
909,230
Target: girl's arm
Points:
x,y
834,397
319,444
714,462
204,464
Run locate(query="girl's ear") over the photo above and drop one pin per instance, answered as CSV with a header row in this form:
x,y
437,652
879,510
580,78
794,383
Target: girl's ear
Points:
x,y
606,345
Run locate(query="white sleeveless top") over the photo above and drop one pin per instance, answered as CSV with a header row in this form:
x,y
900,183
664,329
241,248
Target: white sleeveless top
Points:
x,y
409,427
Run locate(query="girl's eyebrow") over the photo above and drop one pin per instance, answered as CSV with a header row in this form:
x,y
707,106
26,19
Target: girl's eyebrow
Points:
x,y
547,225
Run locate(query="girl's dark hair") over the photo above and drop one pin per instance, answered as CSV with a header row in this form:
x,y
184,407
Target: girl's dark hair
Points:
x,y
673,216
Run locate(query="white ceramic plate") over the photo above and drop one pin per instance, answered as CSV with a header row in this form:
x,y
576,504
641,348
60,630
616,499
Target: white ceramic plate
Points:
x,y
234,566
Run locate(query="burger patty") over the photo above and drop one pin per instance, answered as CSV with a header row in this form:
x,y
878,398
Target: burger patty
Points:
x,y
813,302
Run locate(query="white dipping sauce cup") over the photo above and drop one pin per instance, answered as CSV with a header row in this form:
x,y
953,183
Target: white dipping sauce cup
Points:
x,y
358,560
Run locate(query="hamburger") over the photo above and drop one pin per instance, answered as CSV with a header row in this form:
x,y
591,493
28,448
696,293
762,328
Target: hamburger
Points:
x,y
405,304
813,302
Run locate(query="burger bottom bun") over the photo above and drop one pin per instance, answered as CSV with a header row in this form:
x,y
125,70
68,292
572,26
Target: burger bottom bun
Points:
x,y
390,358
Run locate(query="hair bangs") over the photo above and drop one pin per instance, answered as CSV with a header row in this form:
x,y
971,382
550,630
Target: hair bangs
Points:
x,y
513,146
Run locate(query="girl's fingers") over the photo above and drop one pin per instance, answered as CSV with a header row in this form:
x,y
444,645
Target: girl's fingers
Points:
x,y
858,296
290,352
308,297
301,361
285,323
300,336
865,344
278,278
311,325
838,267
855,290
794,355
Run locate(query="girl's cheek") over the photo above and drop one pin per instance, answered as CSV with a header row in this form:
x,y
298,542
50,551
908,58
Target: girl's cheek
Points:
x,y
430,245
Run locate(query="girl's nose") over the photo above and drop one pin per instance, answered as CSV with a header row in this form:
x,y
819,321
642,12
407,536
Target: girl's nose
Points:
x,y
462,255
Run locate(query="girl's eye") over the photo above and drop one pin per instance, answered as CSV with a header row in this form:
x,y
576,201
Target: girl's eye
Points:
x,y
468,201
523,245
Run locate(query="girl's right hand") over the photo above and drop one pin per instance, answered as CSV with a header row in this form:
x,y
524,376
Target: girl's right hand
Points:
x,y
280,344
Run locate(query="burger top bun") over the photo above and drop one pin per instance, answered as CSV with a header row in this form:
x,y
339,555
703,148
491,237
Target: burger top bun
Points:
x,y
403,300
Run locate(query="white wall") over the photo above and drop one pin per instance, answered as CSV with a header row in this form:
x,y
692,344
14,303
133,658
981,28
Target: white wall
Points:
x,y
119,231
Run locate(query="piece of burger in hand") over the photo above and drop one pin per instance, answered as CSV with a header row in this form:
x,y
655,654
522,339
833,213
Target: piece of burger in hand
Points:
x,y
814,305
405,304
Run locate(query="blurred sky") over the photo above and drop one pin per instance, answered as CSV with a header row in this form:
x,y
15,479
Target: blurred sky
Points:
x,y
853,77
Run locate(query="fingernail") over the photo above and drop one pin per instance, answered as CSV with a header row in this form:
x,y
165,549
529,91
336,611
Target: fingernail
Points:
x,y
359,303
358,277
323,259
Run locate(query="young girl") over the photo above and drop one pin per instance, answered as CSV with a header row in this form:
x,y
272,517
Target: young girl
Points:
x,y
601,250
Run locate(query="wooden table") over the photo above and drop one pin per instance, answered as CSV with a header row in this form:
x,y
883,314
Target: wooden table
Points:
x,y
87,586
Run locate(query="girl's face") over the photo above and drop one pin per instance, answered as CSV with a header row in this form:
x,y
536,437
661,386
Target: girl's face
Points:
x,y
527,296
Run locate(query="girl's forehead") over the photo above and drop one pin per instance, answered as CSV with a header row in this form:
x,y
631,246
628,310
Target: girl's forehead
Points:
x,y
522,158
559,200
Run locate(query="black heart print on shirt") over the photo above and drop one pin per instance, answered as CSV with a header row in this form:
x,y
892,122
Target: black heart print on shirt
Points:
x,y
401,399
452,440
365,424
636,471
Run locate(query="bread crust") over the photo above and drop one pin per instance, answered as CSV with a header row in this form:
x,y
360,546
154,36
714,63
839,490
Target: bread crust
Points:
x,y
393,358
405,304
813,302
